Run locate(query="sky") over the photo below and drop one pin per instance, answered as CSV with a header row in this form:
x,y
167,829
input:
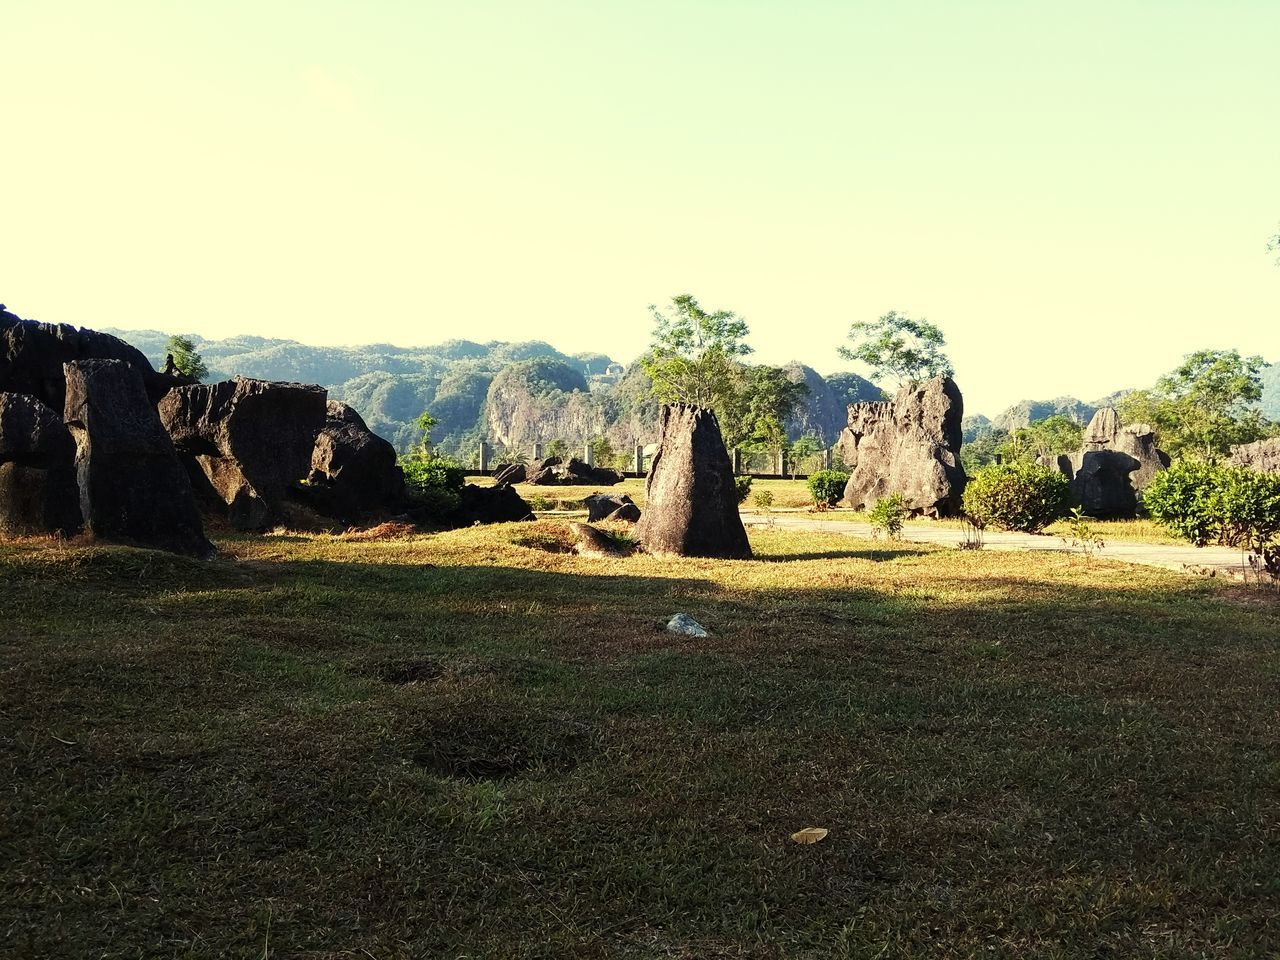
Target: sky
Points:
x,y
1077,194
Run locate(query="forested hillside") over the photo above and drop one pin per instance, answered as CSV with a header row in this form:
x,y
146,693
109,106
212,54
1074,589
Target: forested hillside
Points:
x,y
511,394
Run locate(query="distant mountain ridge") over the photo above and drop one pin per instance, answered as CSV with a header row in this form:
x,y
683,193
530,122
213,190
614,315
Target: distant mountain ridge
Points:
x,y
493,389
510,394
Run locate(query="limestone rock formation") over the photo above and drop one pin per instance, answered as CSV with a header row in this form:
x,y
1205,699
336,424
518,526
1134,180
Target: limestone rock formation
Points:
x,y
353,471
1113,465
554,471
32,356
593,542
1262,455
603,505
627,513
909,445
1102,483
497,504
132,485
38,493
691,504
249,439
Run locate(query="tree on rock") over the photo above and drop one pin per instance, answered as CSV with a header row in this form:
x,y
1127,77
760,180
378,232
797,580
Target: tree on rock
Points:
x,y
899,348
1205,406
695,355
186,359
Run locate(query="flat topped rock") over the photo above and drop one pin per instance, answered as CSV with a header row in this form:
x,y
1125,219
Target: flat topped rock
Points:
x,y
133,488
250,439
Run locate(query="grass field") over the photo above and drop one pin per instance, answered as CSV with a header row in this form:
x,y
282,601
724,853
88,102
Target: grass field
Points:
x,y
475,744
794,494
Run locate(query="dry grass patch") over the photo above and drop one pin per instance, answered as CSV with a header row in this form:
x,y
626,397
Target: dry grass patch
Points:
x,y
475,743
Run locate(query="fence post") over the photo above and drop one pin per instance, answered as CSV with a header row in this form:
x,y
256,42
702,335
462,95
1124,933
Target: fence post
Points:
x,y
484,456
537,451
588,455
781,463
826,459
639,464
737,461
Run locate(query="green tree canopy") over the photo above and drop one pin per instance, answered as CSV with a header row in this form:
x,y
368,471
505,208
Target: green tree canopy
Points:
x,y
764,400
1205,406
1047,437
695,355
186,359
898,348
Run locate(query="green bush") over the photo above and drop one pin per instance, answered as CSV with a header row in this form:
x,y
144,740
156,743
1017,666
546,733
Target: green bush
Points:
x,y
763,499
434,484
1016,496
742,485
1181,499
1206,503
889,514
827,487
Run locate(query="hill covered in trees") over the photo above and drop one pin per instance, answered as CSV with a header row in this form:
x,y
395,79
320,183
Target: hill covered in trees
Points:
x,y
511,394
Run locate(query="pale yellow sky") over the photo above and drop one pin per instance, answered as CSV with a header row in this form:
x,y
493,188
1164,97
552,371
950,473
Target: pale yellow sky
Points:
x,y
1077,195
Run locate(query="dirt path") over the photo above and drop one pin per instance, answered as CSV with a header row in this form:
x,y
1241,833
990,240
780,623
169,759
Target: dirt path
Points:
x,y
1210,561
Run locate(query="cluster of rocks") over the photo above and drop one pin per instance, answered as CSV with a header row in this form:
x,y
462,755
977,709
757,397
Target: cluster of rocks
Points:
x,y
92,437
1112,467
1261,455
910,446
555,471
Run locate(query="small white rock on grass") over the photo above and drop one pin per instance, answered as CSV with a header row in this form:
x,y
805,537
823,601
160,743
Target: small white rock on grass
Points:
x,y
683,623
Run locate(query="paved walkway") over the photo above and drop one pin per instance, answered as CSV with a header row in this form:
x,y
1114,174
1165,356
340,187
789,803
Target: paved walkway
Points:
x,y
1210,561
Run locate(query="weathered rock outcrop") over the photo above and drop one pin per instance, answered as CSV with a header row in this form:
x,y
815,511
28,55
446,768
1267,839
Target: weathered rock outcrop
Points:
x,y
32,356
909,445
595,543
38,493
691,504
132,485
498,504
1262,455
554,471
248,440
1113,465
353,471
604,506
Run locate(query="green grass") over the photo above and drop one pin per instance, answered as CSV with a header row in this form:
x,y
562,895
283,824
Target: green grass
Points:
x,y
786,493
475,744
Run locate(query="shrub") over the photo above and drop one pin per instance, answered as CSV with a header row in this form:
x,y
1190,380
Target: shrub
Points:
x,y
889,514
742,485
1016,496
434,483
763,499
827,487
1205,503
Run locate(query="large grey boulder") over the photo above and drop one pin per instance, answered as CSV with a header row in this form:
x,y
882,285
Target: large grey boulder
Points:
x,y
1102,483
32,356
354,471
1113,466
691,504
909,446
246,441
133,487
38,493
1262,455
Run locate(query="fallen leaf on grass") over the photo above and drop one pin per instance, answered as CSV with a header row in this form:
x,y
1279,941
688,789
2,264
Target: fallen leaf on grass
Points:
x,y
810,835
